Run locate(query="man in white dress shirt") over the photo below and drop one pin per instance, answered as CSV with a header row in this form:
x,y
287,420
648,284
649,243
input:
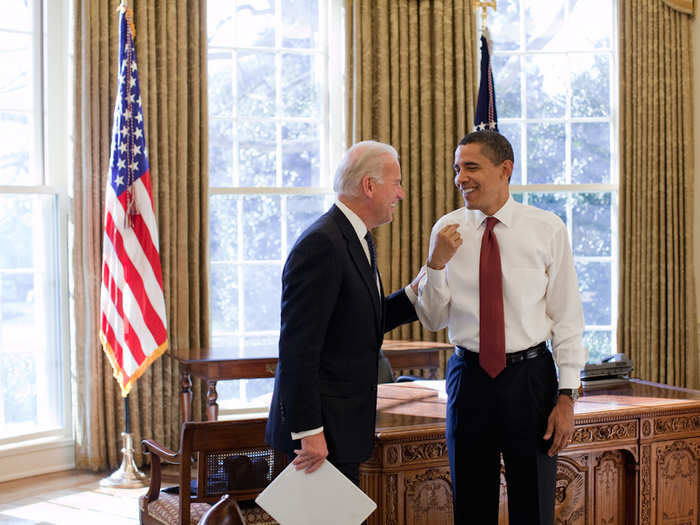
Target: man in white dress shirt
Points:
x,y
501,277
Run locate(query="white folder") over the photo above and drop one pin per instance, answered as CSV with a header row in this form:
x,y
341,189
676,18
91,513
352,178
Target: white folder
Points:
x,y
322,497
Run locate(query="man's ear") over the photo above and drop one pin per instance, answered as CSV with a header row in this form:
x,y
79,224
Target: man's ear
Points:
x,y
367,184
507,167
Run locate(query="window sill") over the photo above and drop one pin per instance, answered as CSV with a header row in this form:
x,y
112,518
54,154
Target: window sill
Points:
x,y
36,456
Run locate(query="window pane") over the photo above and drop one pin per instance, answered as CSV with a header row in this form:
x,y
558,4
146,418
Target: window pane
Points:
x,y
300,23
17,15
591,232
594,285
301,212
220,23
256,23
554,202
257,152
256,84
545,153
590,85
16,72
598,343
544,22
16,143
590,23
513,134
505,28
220,152
262,289
220,79
590,153
546,85
301,156
261,228
224,290
300,90
31,393
223,227
506,77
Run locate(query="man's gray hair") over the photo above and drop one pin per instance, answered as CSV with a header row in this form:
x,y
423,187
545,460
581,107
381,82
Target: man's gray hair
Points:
x,y
364,158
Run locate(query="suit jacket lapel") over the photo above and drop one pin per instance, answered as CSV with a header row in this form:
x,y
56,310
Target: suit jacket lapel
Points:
x,y
359,258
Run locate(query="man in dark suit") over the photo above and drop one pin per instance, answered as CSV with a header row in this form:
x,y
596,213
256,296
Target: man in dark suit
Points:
x,y
334,315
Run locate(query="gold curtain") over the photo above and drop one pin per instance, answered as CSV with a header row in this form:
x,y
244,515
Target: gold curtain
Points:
x,y
657,315
411,70
171,53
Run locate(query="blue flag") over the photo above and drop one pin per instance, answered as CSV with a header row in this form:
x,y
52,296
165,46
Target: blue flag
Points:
x,y
485,116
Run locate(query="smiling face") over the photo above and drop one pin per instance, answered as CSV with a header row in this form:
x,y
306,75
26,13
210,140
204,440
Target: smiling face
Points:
x,y
484,185
386,194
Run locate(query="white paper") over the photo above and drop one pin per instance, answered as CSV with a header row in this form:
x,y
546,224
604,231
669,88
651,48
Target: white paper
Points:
x,y
322,497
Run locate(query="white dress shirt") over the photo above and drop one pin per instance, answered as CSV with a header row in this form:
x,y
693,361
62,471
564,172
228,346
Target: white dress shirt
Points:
x,y
540,290
361,229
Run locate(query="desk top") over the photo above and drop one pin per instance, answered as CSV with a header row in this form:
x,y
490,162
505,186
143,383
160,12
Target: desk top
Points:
x,y
269,353
421,404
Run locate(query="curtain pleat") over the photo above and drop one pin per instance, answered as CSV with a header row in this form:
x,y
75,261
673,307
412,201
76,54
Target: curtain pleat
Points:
x,y
657,310
171,55
411,83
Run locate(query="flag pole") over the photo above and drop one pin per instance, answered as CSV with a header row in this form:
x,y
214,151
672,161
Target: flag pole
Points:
x,y
127,476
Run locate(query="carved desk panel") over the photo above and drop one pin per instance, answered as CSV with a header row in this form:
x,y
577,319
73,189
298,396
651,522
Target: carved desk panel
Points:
x,y
634,458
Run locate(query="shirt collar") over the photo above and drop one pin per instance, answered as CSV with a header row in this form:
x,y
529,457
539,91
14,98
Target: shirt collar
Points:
x,y
357,224
504,215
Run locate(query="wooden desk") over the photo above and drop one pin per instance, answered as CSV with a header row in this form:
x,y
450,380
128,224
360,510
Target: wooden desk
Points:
x,y
634,458
218,364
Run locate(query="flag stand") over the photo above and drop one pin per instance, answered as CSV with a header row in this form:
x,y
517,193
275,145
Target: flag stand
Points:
x,y
128,476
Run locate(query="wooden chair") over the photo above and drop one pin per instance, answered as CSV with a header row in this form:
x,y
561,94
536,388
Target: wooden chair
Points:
x,y
231,458
225,512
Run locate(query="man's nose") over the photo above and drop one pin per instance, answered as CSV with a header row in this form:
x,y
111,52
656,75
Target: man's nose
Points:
x,y
461,178
400,194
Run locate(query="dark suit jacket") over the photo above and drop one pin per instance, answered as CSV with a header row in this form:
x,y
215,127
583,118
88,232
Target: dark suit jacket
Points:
x,y
333,324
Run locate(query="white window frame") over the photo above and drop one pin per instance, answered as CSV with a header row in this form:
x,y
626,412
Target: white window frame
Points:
x,y
568,188
50,450
332,123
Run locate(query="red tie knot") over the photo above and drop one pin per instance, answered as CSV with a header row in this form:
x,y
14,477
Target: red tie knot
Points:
x,y
490,223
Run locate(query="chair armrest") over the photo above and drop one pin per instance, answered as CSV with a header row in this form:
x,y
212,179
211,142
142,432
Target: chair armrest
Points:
x,y
158,453
162,452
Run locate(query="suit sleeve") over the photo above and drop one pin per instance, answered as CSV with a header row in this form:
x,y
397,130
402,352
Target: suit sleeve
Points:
x,y
398,310
310,285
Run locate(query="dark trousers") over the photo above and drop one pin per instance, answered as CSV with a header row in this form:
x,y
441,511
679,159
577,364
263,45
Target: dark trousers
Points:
x,y
489,417
350,470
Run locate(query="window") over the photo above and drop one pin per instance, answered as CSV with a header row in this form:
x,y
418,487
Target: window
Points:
x,y
34,400
275,135
555,75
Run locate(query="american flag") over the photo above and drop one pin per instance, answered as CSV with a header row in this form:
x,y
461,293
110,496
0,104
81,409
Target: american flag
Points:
x,y
485,116
132,306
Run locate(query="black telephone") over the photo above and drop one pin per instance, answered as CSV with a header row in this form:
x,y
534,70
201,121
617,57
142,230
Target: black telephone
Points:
x,y
616,366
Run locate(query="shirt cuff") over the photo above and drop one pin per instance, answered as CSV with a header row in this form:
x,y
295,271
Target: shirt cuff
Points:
x,y
307,433
411,294
437,278
569,377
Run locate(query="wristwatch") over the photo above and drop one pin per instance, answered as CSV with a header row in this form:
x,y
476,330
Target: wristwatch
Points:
x,y
571,392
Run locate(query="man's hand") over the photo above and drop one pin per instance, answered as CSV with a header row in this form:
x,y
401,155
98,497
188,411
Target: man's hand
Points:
x,y
561,424
416,280
444,246
312,454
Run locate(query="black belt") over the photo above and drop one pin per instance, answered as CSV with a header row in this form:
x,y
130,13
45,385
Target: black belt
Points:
x,y
512,357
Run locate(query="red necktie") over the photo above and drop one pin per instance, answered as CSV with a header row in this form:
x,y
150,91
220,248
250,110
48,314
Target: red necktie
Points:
x,y
492,332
